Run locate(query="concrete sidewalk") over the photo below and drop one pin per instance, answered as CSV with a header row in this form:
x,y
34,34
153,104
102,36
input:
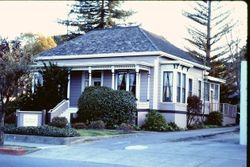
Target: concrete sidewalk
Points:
x,y
215,147
168,136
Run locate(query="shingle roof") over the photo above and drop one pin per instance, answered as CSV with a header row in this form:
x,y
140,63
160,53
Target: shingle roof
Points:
x,y
117,40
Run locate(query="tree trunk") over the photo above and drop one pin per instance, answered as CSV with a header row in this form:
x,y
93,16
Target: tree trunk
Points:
x,y
208,51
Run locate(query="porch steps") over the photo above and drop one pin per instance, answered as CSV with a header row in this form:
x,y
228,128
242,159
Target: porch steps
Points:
x,y
68,112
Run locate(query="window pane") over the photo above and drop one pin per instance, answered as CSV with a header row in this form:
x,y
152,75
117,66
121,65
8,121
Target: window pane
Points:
x,y
206,93
183,88
190,87
121,82
199,89
216,92
178,87
167,86
132,83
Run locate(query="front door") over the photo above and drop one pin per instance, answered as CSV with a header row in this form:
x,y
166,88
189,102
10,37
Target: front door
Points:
x,y
96,78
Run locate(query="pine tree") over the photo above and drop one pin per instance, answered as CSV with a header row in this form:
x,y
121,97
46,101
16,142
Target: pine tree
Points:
x,y
85,16
209,19
211,24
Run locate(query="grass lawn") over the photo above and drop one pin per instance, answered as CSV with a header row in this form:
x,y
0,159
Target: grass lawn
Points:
x,y
93,132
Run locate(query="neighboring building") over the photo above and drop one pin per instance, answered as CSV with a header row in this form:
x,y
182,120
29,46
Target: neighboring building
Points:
x,y
160,75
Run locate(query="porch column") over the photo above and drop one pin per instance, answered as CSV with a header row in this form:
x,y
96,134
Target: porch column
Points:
x,y
90,76
148,89
68,89
113,77
33,83
137,90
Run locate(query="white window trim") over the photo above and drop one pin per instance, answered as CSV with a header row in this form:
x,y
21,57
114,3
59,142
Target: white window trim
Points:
x,y
161,80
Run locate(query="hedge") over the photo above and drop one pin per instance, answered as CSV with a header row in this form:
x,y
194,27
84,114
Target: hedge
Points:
x,y
42,131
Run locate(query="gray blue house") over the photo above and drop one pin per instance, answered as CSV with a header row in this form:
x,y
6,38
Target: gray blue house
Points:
x,y
160,75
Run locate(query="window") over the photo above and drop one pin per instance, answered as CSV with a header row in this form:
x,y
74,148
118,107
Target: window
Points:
x,y
132,83
178,87
199,89
121,81
167,86
190,87
183,88
206,91
124,83
216,92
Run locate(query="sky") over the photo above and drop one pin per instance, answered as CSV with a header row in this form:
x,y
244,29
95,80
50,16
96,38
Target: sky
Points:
x,y
160,17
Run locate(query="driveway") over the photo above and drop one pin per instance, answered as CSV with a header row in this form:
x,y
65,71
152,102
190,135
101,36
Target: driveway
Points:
x,y
145,150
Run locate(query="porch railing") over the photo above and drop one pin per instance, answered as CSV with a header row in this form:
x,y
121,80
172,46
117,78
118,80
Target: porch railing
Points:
x,y
59,109
229,110
226,109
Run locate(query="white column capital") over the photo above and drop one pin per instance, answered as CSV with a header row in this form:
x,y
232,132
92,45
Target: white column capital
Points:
x,y
89,70
112,69
137,68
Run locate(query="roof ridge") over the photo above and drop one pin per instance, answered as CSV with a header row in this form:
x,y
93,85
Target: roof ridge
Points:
x,y
153,44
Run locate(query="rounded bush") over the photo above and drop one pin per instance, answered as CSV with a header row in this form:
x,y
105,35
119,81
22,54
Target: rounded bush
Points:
x,y
60,122
126,127
112,106
155,121
79,125
97,125
214,118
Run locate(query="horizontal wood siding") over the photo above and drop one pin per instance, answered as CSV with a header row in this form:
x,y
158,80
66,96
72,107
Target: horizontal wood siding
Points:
x,y
143,86
75,87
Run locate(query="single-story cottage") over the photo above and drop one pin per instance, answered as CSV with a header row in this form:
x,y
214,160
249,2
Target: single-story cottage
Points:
x,y
160,75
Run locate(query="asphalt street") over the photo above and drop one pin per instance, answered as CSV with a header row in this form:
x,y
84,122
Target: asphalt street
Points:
x,y
142,150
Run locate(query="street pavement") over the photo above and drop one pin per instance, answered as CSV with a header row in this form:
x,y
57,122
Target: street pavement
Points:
x,y
196,148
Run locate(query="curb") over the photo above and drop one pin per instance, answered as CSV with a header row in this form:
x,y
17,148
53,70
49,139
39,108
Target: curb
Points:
x,y
12,151
204,135
57,140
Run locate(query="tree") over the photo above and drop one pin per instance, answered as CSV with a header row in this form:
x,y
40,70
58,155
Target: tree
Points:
x,y
205,37
85,16
13,66
36,43
54,86
211,24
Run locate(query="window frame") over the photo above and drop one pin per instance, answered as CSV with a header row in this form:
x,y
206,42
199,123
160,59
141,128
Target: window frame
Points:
x,y
170,87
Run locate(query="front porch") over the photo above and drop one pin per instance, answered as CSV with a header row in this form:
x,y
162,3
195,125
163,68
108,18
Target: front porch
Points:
x,y
130,77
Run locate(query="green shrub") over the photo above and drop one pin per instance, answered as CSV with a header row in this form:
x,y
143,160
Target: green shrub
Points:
x,y
194,108
97,125
60,122
79,125
126,127
173,127
155,121
214,118
102,103
42,131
